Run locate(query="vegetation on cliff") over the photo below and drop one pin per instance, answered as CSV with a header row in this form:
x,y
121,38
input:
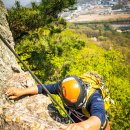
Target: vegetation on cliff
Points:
x,y
53,51
22,19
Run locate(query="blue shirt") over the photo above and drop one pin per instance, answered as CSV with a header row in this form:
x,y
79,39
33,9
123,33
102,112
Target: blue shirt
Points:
x,y
95,105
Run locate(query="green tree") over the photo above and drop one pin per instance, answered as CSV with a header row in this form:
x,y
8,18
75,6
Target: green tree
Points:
x,y
17,4
22,19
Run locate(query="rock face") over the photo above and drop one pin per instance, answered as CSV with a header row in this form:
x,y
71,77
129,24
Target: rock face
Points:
x,y
7,59
28,112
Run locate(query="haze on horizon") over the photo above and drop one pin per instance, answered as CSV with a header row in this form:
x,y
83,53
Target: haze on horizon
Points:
x,y
10,3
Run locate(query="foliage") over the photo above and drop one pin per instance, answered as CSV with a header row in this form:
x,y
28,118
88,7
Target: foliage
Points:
x,y
107,36
53,56
22,19
38,48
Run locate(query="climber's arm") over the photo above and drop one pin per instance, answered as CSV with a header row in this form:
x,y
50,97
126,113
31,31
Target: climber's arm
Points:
x,y
14,92
93,123
52,88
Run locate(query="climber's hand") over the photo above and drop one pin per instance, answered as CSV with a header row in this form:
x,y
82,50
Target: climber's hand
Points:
x,y
14,93
74,126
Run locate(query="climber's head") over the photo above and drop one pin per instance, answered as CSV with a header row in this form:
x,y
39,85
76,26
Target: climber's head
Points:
x,y
73,92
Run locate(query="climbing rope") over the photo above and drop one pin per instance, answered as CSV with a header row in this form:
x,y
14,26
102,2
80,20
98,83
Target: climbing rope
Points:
x,y
35,77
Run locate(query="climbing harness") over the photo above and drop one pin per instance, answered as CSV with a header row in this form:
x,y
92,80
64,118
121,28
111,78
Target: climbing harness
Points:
x,y
35,77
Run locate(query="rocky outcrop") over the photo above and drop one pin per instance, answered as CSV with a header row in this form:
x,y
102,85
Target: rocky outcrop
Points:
x,y
29,112
26,113
8,62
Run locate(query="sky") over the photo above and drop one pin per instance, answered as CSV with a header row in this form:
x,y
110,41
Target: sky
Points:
x,y
10,3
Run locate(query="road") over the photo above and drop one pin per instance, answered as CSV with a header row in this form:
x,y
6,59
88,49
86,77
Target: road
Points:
x,y
96,17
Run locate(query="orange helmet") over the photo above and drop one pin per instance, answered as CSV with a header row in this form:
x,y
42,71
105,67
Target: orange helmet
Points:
x,y
73,92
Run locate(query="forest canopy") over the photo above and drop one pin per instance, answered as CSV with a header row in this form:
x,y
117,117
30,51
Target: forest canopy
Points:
x,y
23,19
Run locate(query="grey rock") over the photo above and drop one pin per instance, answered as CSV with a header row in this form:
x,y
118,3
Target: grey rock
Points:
x,y
7,59
30,112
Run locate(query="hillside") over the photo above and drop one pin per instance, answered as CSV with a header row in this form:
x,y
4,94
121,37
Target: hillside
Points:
x,y
79,49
